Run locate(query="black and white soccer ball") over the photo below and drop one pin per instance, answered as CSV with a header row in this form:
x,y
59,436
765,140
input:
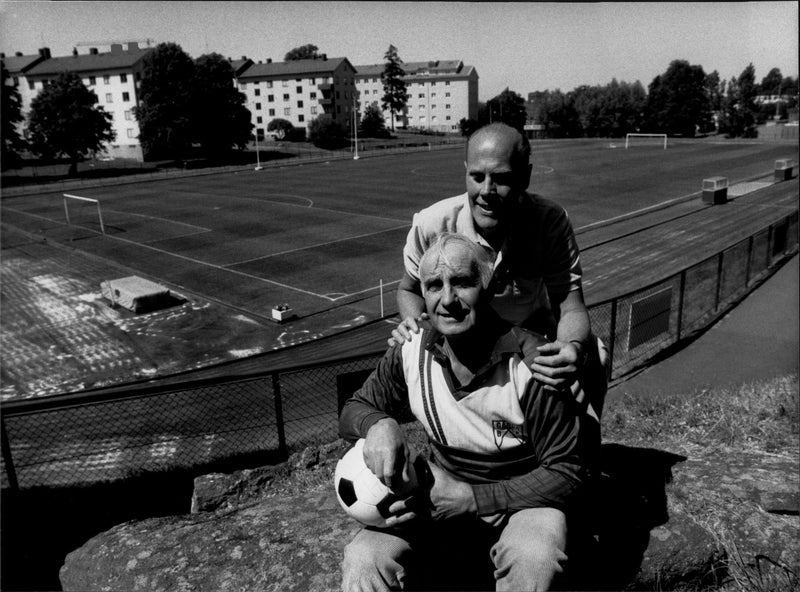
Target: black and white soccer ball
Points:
x,y
360,493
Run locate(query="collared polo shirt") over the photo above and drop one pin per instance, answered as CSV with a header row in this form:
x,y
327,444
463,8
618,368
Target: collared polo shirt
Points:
x,y
539,254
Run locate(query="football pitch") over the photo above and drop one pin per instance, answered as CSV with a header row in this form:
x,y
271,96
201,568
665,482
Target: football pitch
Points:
x,y
326,238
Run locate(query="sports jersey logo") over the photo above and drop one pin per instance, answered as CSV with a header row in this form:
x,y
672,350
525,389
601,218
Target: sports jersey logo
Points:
x,y
502,428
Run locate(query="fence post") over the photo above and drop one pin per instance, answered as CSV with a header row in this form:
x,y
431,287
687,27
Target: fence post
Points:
x,y
7,459
680,304
612,338
719,280
749,259
276,395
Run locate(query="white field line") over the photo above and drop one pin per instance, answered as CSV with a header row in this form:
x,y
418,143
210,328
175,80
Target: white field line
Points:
x,y
331,242
639,211
334,299
167,220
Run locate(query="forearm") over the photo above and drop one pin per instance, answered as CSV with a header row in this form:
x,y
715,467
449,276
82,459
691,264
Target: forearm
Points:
x,y
550,487
574,323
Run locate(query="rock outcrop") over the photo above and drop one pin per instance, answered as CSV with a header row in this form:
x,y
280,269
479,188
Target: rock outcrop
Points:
x,y
662,522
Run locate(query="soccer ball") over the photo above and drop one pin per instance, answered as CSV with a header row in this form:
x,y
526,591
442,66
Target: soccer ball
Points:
x,y
360,493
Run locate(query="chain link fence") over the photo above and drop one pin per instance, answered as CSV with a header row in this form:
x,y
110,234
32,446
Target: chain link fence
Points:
x,y
117,433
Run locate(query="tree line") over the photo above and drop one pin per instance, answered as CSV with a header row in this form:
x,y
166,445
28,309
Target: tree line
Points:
x,y
683,101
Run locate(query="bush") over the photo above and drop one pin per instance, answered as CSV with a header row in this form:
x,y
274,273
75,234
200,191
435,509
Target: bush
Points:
x,y
326,133
283,129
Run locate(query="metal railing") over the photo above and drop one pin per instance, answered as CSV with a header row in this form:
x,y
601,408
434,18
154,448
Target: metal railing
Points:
x,y
108,435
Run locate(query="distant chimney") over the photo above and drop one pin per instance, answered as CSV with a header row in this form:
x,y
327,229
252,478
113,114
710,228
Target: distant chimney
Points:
x,y
18,54
45,53
269,60
93,51
2,54
75,52
133,45
116,48
325,56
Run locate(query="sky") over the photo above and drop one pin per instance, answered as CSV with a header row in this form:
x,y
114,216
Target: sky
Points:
x,y
524,46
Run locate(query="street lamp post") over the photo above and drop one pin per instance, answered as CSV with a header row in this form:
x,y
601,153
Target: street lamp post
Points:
x,y
258,158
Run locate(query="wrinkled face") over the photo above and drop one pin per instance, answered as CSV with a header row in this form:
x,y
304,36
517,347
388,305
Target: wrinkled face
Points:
x,y
493,186
452,291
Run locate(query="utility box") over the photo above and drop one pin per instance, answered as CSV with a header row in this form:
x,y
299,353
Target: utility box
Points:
x,y
715,190
282,313
138,294
783,169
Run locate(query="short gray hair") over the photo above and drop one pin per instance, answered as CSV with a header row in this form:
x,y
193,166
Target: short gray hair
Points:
x,y
482,258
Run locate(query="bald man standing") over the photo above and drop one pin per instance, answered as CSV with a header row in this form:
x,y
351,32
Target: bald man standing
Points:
x,y
537,271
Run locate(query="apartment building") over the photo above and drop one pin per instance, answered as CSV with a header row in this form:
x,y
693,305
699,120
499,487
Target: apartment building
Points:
x,y
299,91
17,67
440,94
113,76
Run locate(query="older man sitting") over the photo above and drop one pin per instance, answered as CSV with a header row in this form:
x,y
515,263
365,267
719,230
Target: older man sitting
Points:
x,y
510,459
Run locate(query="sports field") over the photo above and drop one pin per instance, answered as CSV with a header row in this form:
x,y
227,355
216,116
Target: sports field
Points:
x,y
323,237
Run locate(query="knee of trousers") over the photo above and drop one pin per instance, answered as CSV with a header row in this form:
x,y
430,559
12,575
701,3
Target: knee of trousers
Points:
x,y
539,549
379,558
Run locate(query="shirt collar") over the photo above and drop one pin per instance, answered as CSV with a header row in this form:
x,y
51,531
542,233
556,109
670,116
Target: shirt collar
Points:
x,y
507,342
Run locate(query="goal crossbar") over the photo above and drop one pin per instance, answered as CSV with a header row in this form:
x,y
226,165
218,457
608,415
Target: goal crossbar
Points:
x,y
629,136
68,196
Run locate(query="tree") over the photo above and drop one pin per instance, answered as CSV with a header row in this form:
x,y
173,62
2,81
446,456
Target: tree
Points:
x,y
65,119
468,126
325,132
304,52
372,123
771,83
677,103
395,95
556,112
283,128
740,110
11,113
508,107
166,99
221,119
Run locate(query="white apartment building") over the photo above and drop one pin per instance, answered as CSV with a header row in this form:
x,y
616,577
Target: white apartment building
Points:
x,y
113,76
299,91
440,94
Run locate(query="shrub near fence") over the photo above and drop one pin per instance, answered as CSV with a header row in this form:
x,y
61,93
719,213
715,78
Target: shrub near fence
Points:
x,y
89,437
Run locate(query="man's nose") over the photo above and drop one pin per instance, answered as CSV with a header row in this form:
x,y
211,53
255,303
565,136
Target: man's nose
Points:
x,y
448,296
487,186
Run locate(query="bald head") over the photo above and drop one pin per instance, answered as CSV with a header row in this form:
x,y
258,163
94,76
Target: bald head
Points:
x,y
501,135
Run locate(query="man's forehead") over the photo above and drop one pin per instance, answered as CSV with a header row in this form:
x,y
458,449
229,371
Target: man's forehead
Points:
x,y
452,262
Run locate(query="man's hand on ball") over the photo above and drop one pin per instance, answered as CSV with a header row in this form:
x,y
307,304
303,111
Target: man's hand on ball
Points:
x,y
405,328
387,455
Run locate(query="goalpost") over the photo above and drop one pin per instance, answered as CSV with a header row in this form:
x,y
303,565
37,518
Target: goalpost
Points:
x,y
646,139
67,197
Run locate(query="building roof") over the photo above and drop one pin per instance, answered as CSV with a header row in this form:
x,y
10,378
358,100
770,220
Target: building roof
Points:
x,y
294,67
18,64
113,60
448,68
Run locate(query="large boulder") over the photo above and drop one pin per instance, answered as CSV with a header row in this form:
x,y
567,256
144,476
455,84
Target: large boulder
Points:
x,y
662,522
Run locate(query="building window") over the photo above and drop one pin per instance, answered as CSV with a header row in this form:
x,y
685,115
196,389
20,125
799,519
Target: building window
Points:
x,y
92,80
31,84
258,92
313,110
287,111
447,94
433,94
284,83
298,89
313,95
421,96
433,106
313,81
260,133
259,119
271,112
131,133
298,80
123,78
270,98
337,95
129,115
447,83
269,83
108,98
447,117
258,106
126,96
433,83
106,79
300,104
285,97
301,118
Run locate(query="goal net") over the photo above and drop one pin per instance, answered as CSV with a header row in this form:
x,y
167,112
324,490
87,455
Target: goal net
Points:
x,y
657,140
83,211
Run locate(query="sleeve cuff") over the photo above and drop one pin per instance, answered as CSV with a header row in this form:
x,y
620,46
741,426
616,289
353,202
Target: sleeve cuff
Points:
x,y
490,498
